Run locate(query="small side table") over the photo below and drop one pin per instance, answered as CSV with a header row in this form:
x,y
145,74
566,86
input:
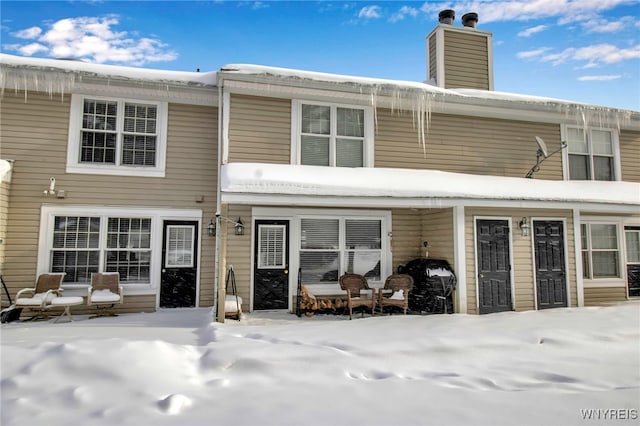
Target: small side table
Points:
x,y
66,303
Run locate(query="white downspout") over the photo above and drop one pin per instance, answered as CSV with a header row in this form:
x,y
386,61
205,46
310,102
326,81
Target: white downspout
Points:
x,y
216,262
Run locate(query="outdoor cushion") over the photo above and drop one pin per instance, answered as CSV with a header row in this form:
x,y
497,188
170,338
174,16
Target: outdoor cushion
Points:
x,y
230,303
37,299
397,295
104,295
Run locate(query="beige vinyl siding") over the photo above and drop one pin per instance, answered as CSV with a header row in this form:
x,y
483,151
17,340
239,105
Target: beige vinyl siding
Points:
x,y
522,255
238,251
34,133
602,296
192,158
406,241
630,155
464,144
260,130
437,230
466,63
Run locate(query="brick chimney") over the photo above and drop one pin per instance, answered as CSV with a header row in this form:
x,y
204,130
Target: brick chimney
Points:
x,y
459,57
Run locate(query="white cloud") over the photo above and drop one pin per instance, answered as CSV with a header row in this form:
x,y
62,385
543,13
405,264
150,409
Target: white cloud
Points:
x,y
532,53
370,12
595,55
599,25
28,33
525,10
259,5
531,31
599,77
31,49
93,39
403,13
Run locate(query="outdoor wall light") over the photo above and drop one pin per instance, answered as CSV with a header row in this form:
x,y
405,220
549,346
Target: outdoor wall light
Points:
x,y
524,227
239,227
52,191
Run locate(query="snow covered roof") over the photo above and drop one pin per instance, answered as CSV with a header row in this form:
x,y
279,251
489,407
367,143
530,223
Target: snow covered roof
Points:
x,y
6,167
248,69
9,62
292,74
421,97
291,180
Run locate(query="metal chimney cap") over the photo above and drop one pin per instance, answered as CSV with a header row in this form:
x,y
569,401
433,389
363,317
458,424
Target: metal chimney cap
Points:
x,y
470,19
447,16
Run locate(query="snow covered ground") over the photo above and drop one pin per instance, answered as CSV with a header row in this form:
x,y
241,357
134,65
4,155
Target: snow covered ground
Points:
x,y
176,367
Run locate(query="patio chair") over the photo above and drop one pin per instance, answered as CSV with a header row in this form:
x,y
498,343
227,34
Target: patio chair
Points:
x,y
104,293
354,284
396,292
38,299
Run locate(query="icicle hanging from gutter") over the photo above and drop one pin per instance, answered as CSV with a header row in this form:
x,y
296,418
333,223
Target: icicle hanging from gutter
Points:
x,y
419,102
47,81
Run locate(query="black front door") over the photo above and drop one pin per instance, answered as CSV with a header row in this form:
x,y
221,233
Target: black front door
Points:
x,y
271,265
551,283
494,265
179,264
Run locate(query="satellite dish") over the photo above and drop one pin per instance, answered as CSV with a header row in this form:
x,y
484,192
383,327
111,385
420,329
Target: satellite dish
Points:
x,y
542,146
542,154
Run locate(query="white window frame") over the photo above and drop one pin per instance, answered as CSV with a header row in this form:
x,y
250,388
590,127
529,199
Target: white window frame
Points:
x,y
626,232
167,261
293,215
627,262
604,281
74,143
615,146
283,256
158,216
102,248
342,217
296,127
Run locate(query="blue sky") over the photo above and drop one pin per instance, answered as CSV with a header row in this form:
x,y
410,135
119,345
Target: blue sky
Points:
x,y
581,50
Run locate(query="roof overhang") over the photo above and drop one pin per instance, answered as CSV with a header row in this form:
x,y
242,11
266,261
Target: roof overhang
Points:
x,y
61,77
275,184
418,97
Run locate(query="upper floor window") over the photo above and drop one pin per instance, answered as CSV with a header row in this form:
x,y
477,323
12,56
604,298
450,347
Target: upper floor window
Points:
x,y
116,136
591,154
332,135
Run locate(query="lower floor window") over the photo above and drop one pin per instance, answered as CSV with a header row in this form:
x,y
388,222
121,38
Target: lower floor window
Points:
x,y
600,250
330,247
83,245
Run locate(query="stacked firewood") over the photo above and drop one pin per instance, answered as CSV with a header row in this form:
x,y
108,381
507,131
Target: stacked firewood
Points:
x,y
309,303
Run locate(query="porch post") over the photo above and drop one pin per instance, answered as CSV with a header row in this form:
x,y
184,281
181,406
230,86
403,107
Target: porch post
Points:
x,y
577,247
460,258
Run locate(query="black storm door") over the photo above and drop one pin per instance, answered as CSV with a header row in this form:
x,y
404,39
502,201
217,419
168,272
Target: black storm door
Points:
x,y
494,265
179,264
551,284
271,265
